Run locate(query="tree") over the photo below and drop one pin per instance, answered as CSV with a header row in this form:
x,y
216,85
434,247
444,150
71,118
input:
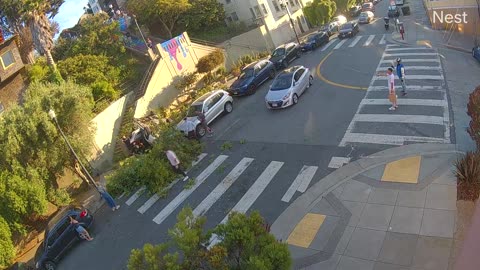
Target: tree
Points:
x,y
210,61
246,244
344,5
203,15
30,145
319,12
167,12
6,244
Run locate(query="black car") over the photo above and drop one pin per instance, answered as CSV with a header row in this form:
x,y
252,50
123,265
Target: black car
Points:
x,y
60,235
349,29
285,54
393,11
313,41
251,77
355,11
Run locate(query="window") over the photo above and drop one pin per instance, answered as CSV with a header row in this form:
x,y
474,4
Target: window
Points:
x,y
257,70
7,59
216,99
265,10
299,74
296,1
253,13
292,3
275,4
263,65
290,47
257,11
234,16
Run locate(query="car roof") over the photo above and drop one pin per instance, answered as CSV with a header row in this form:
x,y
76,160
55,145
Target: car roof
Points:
x,y
60,215
281,46
201,99
290,70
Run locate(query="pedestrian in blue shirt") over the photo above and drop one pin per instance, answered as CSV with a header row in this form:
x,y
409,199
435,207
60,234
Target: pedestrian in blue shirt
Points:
x,y
401,76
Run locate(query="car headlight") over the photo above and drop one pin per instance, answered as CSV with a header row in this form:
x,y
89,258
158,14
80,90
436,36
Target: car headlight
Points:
x,y
37,265
349,32
287,96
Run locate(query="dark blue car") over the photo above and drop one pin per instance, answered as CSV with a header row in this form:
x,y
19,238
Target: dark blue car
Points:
x,y
315,40
252,76
476,53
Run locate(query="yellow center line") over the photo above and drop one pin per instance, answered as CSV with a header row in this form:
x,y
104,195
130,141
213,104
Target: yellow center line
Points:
x,y
319,74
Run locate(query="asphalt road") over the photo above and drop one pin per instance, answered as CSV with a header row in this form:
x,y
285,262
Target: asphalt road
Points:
x,y
271,148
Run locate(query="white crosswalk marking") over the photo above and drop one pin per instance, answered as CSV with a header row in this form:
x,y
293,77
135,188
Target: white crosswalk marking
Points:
x,y
408,60
340,44
388,139
409,101
414,77
410,88
369,40
186,192
382,40
329,44
355,41
406,49
203,207
301,182
399,118
135,196
411,54
416,68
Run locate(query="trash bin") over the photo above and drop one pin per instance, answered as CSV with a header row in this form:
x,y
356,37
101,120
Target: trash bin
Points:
x,y
406,11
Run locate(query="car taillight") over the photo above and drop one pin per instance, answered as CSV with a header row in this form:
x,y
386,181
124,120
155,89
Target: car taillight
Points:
x,y
84,213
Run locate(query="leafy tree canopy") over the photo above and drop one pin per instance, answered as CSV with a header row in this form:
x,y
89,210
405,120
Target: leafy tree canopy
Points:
x,y
203,15
6,244
319,12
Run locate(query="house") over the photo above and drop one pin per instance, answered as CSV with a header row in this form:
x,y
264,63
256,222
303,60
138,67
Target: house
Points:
x,y
11,81
273,14
461,16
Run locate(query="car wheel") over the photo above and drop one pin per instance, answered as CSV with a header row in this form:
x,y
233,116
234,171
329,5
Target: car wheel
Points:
x,y
251,89
228,108
295,99
284,64
200,131
272,74
310,81
49,265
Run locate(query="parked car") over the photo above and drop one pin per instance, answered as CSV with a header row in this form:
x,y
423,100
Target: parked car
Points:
x,y
251,77
399,2
340,19
60,235
368,6
329,28
375,2
355,11
476,53
285,54
315,40
288,86
393,11
366,17
349,29
212,104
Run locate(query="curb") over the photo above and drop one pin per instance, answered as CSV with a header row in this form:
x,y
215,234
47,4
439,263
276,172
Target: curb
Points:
x,y
289,218
396,40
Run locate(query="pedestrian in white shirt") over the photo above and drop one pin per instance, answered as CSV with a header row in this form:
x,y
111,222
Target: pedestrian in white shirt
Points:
x,y
190,129
175,162
392,96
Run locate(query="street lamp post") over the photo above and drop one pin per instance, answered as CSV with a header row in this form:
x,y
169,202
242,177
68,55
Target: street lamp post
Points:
x,y
285,6
89,179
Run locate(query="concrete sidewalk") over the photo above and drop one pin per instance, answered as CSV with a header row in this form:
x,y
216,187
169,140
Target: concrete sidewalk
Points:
x,y
393,210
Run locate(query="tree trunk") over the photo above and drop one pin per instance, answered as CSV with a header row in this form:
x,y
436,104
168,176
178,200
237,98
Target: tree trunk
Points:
x,y
50,61
167,29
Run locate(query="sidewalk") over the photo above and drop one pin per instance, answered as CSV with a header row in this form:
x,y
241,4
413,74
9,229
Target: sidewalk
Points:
x,y
418,31
393,210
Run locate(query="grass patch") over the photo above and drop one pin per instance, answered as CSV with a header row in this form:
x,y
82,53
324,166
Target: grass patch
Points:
x,y
226,146
190,183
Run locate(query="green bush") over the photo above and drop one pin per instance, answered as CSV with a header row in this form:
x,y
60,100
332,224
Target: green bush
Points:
x,y
209,62
6,245
103,90
186,81
59,197
468,176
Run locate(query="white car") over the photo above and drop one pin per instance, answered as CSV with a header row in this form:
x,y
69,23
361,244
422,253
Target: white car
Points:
x,y
340,20
212,104
288,86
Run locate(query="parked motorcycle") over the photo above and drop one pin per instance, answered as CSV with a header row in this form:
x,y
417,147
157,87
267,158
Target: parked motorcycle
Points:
x,y
387,23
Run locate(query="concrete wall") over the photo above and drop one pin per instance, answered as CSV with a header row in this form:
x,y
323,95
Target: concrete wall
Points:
x,y
107,125
470,27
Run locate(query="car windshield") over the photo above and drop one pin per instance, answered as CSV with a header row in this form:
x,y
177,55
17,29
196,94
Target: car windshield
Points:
x,y
194,108
246,73
391,8
366,5
363,14
282,82
346,26
278,52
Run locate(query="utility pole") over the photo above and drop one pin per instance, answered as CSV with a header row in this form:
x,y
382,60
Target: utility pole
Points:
x,y
284,5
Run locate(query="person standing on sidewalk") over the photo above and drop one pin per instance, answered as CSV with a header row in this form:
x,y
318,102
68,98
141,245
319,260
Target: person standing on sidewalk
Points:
x,y
203,122
108,198
392,96
175,163
401,75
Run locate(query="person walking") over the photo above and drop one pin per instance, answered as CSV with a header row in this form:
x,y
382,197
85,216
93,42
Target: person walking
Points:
x,y
392,96
190,129
175,163
401,76
204,124
82,232
108,198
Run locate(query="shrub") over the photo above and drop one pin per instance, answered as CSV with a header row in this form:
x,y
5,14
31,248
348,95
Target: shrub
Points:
x,y
6,244
59,197
103,90
186,81
468,176
473,110
209,79
209,62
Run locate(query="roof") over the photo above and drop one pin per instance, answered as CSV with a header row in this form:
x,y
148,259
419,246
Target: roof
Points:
x,y
290,70
204,97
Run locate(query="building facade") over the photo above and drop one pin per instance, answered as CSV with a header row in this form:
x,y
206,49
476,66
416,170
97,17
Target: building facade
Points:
x,y
95,5
11,65
461,16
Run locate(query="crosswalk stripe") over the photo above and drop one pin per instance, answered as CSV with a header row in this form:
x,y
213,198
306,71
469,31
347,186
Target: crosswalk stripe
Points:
x,y
329,44
403,54
446,121
199,159
410,88
413,77
305,176
149,203
135,196
252,194
392,45
355,41
410,61
340,44
186,192
399,118
369,40
406,101
386,139
382,40
407,49
415,68
220,189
